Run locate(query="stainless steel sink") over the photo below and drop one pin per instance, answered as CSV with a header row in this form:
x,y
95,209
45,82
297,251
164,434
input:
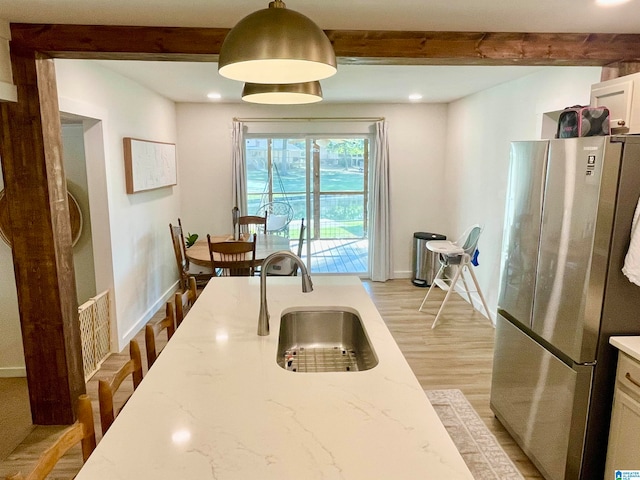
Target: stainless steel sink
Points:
x,y
324,341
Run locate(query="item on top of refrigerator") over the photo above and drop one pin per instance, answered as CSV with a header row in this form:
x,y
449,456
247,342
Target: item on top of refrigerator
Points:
x,y
581,121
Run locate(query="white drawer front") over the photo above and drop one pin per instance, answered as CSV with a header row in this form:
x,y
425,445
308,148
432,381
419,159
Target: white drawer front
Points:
x,y
629,375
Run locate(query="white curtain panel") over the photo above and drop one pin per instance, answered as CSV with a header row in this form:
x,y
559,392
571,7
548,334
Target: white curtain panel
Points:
x,y
380,267
239,173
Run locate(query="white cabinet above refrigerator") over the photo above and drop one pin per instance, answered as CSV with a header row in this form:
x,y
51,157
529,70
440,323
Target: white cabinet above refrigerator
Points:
x,y
622,97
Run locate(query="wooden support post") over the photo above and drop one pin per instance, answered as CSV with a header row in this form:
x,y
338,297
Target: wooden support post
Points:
x,y
35,188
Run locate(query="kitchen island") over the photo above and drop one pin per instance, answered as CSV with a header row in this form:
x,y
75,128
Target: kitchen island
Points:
x,y
216,405
627,344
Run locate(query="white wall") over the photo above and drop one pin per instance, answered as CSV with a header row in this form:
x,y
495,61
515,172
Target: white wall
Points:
x,y
416,143
135,257
448,170
479,130
144,271
11,352
75,169
8,90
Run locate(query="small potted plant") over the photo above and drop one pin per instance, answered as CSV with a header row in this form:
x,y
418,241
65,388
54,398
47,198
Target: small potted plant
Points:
x,y
191,239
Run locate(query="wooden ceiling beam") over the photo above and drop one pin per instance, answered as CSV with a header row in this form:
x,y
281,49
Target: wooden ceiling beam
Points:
x,y
485,48
120,42
363,47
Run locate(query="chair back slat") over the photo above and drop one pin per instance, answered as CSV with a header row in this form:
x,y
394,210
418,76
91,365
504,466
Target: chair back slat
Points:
x,y
179,250
185,300
300,245
237,258
253,223
153,329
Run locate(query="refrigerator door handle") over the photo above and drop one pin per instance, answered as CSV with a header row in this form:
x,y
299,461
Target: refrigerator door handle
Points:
x,y
586,364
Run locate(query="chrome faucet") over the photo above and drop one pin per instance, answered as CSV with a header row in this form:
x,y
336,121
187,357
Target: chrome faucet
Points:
x,y
307,286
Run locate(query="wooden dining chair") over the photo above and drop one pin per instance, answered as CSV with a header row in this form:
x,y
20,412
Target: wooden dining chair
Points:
x,y
82,431
253,224
182,261
153,329
107,388
233,259
185,300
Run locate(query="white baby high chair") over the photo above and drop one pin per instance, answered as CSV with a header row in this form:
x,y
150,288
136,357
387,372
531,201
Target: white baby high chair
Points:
x,y
457,254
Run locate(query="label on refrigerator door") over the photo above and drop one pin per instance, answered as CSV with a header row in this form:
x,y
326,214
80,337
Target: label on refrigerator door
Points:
x,y
591,165
627,475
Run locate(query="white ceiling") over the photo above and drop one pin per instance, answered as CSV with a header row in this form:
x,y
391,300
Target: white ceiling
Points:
x,y
191,82
457,15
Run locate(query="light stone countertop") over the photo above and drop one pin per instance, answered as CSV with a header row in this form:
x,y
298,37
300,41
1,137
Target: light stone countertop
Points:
x,y
627,344
216,405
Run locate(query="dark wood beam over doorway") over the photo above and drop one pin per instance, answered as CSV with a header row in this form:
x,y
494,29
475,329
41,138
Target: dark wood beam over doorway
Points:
x,y
351,46
31,146
36,194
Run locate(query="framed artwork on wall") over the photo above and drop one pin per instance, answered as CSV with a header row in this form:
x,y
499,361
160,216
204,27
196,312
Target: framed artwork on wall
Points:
x,y
149,165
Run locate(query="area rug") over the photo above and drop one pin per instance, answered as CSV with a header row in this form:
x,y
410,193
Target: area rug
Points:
x,y
478,446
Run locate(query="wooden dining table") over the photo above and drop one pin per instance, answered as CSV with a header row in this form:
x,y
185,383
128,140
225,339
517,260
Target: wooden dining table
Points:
x,y
266,244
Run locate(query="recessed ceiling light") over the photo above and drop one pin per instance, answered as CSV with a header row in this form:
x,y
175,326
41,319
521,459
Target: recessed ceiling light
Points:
x,y
610,3
415,97
214,96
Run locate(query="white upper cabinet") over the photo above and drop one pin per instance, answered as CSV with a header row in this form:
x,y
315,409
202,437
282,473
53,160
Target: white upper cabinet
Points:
x,y
621,97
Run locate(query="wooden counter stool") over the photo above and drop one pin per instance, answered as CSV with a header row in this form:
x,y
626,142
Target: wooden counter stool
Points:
x,y
152,330
185,300
108,388
82,431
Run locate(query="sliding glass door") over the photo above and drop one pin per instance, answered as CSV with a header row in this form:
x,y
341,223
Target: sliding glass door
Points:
x,y
323,180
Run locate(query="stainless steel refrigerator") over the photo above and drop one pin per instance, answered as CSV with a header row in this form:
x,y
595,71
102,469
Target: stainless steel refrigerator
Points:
x,y
570,206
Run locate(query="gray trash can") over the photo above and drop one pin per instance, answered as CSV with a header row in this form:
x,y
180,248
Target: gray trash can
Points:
x,y
425,262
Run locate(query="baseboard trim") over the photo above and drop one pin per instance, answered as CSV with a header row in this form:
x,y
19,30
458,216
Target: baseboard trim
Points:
x,y
476,302
151,311
402,274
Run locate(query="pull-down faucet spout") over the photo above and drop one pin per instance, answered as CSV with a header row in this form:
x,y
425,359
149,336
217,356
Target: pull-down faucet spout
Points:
x,y
307,286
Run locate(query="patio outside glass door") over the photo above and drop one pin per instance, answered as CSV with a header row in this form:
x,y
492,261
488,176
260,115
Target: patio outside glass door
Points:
x,y
325,181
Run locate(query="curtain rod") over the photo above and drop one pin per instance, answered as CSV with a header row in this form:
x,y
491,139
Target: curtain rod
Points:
x,y
311,119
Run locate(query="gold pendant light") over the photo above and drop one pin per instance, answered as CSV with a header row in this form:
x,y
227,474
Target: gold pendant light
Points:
x,y
276,45
282,94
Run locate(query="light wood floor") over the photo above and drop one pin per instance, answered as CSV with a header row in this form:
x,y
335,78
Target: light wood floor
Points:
x,y
457,354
